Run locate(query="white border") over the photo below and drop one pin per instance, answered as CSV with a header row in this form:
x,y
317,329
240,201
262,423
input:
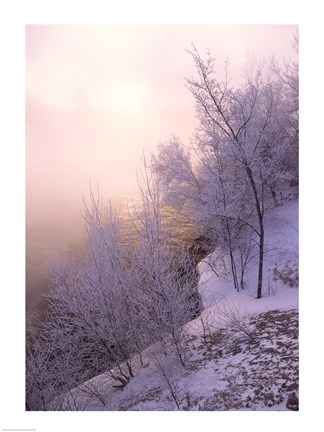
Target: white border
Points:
x,y
14,16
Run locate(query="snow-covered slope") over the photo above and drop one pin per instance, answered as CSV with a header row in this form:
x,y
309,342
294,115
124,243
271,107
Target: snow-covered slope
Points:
x,y
243,351
280,280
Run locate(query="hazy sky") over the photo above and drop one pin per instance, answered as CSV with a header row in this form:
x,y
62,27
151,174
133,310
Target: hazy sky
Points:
x,y
98,95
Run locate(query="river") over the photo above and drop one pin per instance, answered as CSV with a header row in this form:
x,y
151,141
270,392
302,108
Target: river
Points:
x,y
62,233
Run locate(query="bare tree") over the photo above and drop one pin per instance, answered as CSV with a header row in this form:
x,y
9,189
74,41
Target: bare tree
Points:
x,y
288,82
214,199
165,274
231,317
91,297
113,300
40,374
239,120
231,174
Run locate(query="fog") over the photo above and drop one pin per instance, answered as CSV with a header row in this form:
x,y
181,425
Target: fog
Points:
x,y
66,150
96,98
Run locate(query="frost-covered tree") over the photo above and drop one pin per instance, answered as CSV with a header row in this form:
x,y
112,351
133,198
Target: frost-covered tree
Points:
x,y
225,213
200,183
245,123
288,81
165,274
112,301
42,375
236,165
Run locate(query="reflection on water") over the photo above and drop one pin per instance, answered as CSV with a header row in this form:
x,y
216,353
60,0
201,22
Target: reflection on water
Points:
x,y
65,235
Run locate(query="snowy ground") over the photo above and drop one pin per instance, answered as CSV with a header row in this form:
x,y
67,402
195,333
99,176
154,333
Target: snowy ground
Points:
x,y
280,268
243,351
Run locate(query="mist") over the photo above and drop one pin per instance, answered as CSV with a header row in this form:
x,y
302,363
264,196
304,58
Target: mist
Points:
x,y
97,97
67,150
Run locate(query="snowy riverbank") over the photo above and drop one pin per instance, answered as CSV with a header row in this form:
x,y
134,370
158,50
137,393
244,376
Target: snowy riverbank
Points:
x,y
243,351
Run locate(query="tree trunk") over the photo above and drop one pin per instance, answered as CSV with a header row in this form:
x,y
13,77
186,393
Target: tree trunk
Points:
x,y
234,273
261,256
261,228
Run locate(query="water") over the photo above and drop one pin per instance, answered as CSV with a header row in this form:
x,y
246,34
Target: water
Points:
x,y
63,233
51,236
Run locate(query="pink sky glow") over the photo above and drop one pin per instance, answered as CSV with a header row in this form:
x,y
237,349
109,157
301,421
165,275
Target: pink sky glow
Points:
x,y
97,97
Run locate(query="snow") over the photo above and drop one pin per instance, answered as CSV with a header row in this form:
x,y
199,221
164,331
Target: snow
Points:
x,y
228,369
281,252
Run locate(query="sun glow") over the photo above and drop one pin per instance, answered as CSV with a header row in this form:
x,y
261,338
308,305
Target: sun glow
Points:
x,y
127,97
